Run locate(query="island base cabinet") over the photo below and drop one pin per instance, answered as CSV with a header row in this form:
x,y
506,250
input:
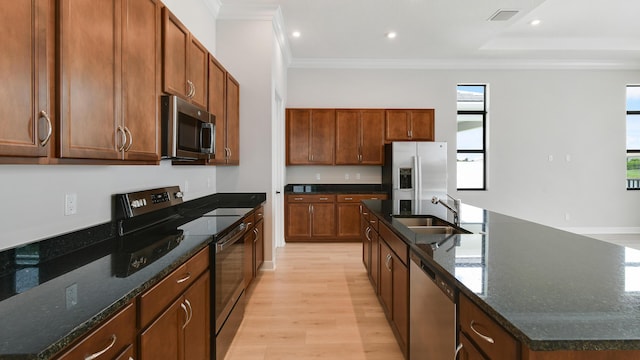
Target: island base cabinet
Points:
x,y
581,355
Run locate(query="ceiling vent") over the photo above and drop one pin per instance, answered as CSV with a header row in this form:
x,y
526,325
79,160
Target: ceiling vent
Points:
x,y
503,15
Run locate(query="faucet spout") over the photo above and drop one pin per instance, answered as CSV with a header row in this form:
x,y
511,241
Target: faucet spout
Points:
x,y
455,211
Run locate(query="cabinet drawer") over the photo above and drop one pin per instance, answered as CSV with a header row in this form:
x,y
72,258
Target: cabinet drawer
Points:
x,y
359,197
311,198
469,351
374,223
250,220
395,243
259,214
110,339
156,299
489,337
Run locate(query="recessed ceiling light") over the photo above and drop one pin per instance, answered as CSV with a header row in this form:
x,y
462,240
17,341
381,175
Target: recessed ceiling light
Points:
x,y
391,35
535,22
296,34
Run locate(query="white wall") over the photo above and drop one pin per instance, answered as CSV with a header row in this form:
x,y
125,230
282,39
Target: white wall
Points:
x,y
246,48
33,202
532,114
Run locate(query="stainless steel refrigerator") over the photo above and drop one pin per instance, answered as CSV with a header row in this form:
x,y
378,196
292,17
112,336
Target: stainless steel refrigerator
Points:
x,y
414,172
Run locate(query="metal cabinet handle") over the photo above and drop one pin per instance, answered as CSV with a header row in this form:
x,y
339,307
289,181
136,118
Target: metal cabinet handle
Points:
x,y
324,199
367,232
255,232
388,263
99,353
455,356
372,221
229,157
185,278
298,199
190,308
43,114
483,337
186,315
191,91
311,209
127,131
348,198
123,137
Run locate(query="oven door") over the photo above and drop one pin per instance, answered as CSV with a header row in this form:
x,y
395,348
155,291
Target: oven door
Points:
x,y
229,276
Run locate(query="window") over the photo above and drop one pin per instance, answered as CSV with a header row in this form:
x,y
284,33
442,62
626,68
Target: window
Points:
x,y
471,136
633,137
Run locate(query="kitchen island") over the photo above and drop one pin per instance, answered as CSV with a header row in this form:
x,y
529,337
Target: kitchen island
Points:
x,y
556,293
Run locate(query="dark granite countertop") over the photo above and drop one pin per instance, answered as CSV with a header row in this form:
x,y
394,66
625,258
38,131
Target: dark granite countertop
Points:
x,y
334,189
37,322
551,289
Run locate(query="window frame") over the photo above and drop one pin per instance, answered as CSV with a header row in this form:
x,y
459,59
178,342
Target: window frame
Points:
x,y
483,151
628,150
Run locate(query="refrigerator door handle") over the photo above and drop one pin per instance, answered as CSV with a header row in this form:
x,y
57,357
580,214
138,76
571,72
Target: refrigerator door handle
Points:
x,y
419,185
416,180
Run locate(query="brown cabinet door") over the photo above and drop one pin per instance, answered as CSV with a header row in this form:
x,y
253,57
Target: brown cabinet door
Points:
x,y
468,351
90,83
217,102
348,139
375,260
197,330
233,121
175,44
385,278
366,244
140,78
24,70
258,248
323,129
197,72
397,125
163,338
248,257
298,221
298,136
348,220
372,137
422,125
323,220
401,300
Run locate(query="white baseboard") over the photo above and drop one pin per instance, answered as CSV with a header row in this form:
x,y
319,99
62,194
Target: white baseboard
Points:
x,y
268,266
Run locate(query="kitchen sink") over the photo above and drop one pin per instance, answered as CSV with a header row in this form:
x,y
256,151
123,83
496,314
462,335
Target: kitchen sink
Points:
x,y
429,225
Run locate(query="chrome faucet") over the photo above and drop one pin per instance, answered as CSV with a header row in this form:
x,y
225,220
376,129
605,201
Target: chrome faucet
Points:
x,y
455,209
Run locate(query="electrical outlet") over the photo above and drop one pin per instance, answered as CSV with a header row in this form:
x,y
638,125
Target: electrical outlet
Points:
x,y
317,176
186,186
346,176
71,296
358,176
70,204
567,216
208,182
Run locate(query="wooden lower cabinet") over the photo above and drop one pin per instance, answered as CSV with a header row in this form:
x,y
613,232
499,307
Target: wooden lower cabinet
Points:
x,y
348,214
113,340
468,350
254,249
310,218
393,289
181,332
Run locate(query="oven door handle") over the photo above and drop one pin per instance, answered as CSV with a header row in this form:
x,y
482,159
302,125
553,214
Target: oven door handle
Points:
x,y
232,239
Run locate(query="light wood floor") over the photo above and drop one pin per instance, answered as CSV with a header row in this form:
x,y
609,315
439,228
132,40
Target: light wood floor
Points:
x,y
317,304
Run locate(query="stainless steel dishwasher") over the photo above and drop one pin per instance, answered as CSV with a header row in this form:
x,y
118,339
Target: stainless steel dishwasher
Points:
x,y
432,313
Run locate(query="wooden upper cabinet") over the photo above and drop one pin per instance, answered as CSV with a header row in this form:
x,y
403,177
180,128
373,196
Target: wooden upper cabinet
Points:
x,y
141,51
185,61
25,128
109,77
310,136
359,137
198,63
409,125
90,61
217,102
232,127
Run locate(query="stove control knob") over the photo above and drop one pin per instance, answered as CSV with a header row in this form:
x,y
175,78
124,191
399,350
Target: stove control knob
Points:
x,y
134,204
179,194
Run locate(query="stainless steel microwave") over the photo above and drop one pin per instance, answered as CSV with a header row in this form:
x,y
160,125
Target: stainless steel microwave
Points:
x,y
188,132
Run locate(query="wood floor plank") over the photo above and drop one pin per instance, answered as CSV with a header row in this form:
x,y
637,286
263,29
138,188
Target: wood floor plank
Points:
x,y
317,304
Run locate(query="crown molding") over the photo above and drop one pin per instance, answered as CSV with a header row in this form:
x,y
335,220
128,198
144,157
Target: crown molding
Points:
x,y
213,6
260,12
465,64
